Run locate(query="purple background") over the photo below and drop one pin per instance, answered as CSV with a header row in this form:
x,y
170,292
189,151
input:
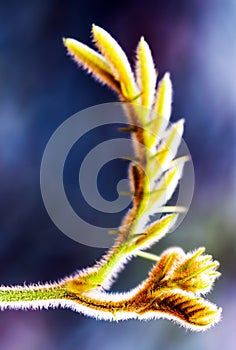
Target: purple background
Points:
x,y
40,87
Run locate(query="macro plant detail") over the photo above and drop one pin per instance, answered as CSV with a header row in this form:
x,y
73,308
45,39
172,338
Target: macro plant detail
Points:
x,y
175,286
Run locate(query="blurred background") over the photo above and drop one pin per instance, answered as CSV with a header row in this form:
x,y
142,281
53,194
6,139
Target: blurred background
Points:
x,y
40,87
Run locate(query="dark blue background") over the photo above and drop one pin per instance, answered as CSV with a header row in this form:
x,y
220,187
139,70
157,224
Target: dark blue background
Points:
x,y
40,87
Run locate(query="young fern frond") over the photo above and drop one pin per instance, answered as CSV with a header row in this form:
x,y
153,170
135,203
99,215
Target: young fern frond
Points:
x,y
177,280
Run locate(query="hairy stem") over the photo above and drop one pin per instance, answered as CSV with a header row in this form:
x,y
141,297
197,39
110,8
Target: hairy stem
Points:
x,y
31,293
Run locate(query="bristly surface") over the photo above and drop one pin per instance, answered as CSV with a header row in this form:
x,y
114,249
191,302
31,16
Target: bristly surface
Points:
x,y
175,286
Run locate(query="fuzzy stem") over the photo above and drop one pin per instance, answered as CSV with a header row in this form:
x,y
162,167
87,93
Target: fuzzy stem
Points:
x,y
31,293
138,303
